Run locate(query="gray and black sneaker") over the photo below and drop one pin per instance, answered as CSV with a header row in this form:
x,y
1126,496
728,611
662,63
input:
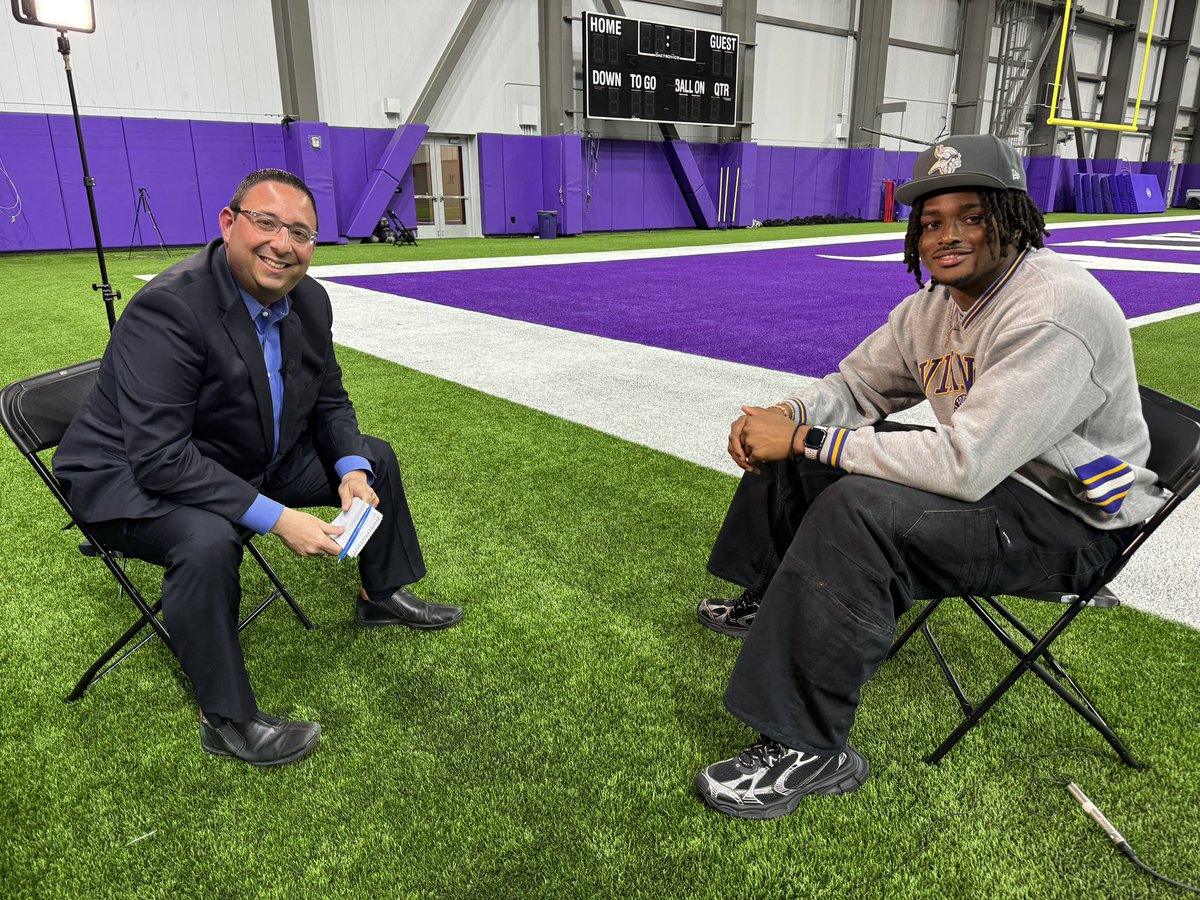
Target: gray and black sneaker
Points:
x,y
732,617
768,780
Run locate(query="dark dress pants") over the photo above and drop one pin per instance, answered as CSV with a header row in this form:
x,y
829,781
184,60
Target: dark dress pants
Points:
x,y
838,558
201,552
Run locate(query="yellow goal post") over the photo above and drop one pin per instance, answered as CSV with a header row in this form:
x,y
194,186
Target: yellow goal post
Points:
x,y
1053,119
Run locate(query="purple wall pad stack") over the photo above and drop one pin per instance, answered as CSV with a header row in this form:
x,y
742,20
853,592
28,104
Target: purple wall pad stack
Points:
x,y
38,220
789,309
387,174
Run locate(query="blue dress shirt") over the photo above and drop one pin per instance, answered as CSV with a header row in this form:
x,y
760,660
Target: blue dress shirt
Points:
x,y
265,512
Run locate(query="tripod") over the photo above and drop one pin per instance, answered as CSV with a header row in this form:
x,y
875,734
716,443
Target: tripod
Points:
x,y
143,202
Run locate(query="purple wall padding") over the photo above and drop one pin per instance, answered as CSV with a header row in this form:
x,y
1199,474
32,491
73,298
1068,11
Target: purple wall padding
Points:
x,y
312,160
562,180
109,166
1187,178
224,156
268,147
511,177
491,184
1042,175
691,183
388,173
865,173
31,205
162,161
597,185
347,146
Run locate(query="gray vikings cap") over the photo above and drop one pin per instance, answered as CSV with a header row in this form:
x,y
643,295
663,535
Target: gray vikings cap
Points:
x,y
964,161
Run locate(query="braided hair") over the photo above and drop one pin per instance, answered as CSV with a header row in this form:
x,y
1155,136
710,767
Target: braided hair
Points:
x,y
1010,215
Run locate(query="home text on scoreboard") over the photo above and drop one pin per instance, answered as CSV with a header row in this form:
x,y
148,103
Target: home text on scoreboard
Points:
x,y
658,73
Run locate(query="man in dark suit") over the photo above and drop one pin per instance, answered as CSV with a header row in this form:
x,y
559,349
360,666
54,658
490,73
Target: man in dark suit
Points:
x,y
219,405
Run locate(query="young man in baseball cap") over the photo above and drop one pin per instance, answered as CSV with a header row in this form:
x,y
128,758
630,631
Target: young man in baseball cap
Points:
x,y
1033,477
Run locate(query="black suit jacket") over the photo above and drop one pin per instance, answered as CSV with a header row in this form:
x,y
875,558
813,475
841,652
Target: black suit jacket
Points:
x,y
181,411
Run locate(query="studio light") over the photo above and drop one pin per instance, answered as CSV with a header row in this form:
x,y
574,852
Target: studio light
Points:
x,y
64,16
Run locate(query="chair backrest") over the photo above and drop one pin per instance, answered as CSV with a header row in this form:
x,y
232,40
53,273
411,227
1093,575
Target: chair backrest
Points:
x,y
36,411
1174,456
1174,440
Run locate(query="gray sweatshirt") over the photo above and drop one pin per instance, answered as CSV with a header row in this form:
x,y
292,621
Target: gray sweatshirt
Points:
x,y
1035,381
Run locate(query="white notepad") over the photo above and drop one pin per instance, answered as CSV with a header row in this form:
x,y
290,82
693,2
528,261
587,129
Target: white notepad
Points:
x,y
359,523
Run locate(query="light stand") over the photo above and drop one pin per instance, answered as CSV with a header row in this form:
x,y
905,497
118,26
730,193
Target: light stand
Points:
x,y
64,16
106,291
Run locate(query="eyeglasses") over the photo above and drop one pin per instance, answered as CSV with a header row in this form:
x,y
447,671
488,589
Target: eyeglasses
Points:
x,y
269,224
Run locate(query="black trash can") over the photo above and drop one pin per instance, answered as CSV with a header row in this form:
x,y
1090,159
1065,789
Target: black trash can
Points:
x,y
547,224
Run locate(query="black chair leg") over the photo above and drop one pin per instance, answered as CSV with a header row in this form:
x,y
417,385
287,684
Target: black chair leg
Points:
x,y
951,679
917,623
1028,660
280,590
99,668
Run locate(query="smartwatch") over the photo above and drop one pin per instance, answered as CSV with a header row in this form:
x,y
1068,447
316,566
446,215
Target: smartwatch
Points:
x,y
814,439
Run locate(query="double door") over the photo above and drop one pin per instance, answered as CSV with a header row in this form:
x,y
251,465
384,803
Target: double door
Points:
x,y
440,178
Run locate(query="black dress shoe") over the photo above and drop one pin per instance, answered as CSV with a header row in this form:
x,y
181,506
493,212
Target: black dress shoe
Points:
x,y
405,608
263,741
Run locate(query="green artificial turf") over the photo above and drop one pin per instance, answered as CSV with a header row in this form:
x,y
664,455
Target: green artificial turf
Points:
x,y
546,746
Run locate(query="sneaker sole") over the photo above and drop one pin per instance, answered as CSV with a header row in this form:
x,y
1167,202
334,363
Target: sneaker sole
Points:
x,y
843,782
735,631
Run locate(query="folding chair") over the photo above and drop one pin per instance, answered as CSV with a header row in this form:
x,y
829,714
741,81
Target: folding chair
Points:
x,y
1175,457
404,234
36,412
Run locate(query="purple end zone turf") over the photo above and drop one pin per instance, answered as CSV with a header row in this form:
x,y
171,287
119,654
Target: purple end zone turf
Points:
x,y
791,309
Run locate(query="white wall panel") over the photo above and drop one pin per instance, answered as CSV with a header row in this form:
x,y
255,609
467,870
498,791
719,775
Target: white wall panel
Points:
x,y
369,50
366,50
833,13
800,95
932,22
498,73
150,58
1089,47
924,81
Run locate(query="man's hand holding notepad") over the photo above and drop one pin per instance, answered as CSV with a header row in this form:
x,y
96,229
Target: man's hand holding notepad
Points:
x,y
358,524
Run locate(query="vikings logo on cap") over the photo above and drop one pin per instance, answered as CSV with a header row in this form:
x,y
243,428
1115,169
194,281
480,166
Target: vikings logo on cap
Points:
x,y
948,161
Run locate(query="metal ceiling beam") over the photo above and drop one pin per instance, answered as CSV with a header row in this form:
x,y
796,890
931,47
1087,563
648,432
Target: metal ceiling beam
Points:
x,y
1170,86
556,70
975,40
741,18
1121,51
294,53
870,70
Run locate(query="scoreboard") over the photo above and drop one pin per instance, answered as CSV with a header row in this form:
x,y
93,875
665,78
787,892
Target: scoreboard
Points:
x,y
658,73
